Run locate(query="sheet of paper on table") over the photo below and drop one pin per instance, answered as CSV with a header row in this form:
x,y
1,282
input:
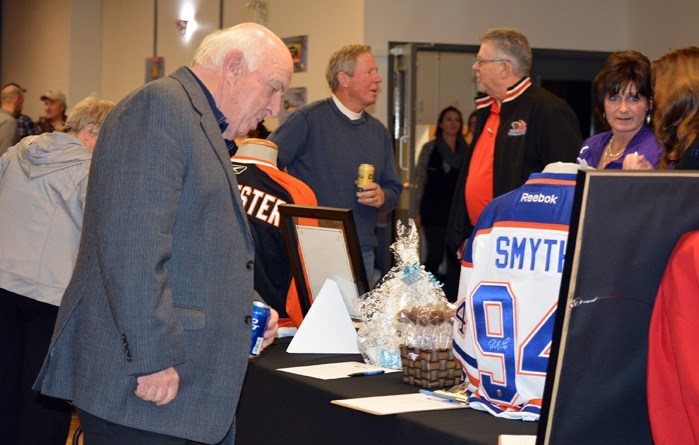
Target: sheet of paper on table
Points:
x,y
335,370
402,403
505,439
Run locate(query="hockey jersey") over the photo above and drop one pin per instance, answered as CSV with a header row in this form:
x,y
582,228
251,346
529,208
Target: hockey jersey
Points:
x,y
263,187
508,293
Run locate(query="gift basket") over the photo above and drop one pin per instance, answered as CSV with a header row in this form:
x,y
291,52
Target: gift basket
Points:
x,y
426,353
408,321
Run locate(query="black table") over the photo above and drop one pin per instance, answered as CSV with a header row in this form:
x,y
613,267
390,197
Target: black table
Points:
x,y
282,408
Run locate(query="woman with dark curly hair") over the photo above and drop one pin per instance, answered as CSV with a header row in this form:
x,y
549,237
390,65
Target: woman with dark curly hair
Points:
x,y
623,99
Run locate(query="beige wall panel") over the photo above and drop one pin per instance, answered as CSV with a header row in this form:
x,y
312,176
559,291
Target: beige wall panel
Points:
x,y
78,47
36,48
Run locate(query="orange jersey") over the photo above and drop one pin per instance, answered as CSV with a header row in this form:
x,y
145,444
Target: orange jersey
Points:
x,y
263,187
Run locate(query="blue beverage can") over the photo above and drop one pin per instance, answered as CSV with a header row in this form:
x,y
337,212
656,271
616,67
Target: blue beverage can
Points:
x,y
260,314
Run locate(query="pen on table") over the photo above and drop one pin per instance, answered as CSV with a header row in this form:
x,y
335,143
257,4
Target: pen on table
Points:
x,y
365,373
442,398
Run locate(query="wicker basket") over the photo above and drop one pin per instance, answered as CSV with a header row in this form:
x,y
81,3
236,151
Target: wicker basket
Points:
x,y
430,368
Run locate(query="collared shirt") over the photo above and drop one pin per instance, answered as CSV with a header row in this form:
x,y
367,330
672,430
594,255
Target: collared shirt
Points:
x,y
218,115
512,93
346,111
479,189
479,182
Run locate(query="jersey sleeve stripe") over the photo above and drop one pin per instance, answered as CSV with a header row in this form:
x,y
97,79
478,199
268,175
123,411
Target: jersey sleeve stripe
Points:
x,y
563,182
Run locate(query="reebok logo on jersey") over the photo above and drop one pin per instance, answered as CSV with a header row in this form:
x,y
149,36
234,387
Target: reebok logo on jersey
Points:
x,y
539,197
238,169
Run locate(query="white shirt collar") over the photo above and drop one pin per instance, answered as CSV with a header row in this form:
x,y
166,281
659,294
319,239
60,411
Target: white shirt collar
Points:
x,y
346,111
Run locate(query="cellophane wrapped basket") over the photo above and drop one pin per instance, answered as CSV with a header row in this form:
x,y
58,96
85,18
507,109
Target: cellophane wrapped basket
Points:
x,y
389,338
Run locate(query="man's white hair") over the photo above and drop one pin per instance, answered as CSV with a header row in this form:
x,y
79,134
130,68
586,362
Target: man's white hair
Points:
x,y
249,38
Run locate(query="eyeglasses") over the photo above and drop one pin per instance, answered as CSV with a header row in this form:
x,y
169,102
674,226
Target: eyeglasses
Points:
x,y
480,62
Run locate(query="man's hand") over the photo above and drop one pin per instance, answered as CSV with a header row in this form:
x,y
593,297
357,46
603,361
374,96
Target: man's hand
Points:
x,y
160,387
372,196
271,328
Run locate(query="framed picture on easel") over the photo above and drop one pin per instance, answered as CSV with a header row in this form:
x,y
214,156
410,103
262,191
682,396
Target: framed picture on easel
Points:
x,y
322,244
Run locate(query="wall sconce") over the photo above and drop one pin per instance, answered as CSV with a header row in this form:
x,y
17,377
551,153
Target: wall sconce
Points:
x,y
182,27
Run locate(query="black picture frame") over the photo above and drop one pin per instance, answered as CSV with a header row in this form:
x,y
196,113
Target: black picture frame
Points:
x,y
315,253
623,228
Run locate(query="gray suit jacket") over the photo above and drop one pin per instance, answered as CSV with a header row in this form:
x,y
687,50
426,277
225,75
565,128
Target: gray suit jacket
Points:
x,y
164,275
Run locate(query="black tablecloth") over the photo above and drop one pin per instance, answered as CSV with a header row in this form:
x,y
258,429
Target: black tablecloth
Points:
x,y
282,408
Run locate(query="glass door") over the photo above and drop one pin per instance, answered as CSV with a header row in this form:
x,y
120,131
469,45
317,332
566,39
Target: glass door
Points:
x,y
403,71
425,78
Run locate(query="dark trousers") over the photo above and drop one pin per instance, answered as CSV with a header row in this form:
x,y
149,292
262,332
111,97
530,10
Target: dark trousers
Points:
x,y
27,417
435,240
435,237
97,431
451,282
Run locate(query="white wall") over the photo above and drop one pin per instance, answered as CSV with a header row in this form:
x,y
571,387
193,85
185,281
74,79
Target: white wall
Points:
x,y
554,24
329,24
84,51
83,46
175,48
36,48
127,39
567,24
656,27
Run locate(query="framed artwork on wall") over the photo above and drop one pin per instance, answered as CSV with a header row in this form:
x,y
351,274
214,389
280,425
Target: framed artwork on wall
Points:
x,y
298,47
155,67
294,98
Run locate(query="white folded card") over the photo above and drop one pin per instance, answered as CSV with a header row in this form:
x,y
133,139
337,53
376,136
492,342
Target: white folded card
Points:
x,y
327,327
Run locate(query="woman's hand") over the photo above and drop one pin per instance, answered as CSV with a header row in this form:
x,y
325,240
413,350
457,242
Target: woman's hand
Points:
x,y
634,161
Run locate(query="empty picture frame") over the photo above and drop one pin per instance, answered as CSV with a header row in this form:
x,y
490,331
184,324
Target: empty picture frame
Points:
x,y
322,244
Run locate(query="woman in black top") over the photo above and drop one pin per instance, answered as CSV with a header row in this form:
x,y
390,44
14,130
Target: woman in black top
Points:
x,y
437,174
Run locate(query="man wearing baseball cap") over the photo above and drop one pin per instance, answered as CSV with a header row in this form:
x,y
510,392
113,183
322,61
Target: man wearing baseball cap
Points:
x,y
25,124
10,101
54,112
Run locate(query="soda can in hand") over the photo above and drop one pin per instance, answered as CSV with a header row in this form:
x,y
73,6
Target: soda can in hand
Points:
x,y
260,314
365,175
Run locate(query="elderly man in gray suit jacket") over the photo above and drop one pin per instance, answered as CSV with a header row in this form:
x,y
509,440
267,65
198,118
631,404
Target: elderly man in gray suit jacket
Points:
x,y
152,338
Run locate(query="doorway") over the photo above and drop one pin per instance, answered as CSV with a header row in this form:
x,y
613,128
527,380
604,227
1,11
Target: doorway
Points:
x,y
424,78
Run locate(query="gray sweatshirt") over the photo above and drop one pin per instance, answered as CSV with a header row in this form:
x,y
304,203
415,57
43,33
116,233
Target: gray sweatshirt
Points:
x,y
43,181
